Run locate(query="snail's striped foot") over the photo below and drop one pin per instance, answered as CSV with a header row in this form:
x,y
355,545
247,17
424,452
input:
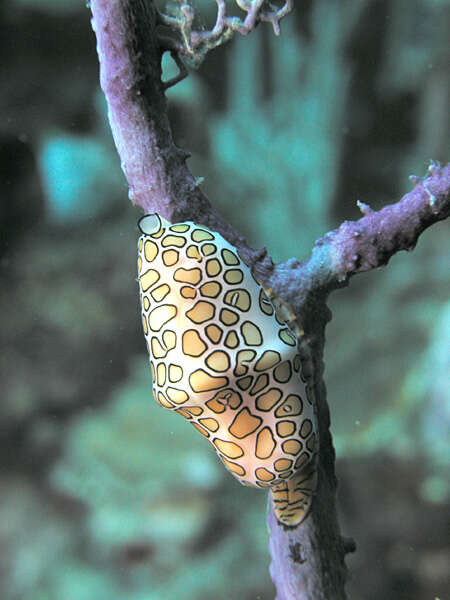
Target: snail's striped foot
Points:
x,y
292,499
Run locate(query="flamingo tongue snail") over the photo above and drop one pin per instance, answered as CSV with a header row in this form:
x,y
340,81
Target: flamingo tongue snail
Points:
x,y
223,353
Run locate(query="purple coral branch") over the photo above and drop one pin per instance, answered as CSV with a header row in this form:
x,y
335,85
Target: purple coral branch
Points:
x,y
353,248
307,562
369,243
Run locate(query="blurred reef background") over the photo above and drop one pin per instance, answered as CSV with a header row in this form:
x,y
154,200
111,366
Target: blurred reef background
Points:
x,y
102,493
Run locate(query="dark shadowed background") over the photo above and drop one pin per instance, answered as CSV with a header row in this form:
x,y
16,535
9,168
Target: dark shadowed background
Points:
x,y
102,493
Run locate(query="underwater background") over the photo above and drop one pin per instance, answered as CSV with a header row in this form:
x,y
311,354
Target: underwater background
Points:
x,y
102,493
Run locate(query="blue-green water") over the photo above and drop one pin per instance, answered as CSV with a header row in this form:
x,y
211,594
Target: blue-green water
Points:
x,y
106,495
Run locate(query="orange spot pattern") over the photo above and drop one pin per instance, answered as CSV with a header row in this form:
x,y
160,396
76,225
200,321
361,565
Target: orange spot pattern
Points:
x,y
223,352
